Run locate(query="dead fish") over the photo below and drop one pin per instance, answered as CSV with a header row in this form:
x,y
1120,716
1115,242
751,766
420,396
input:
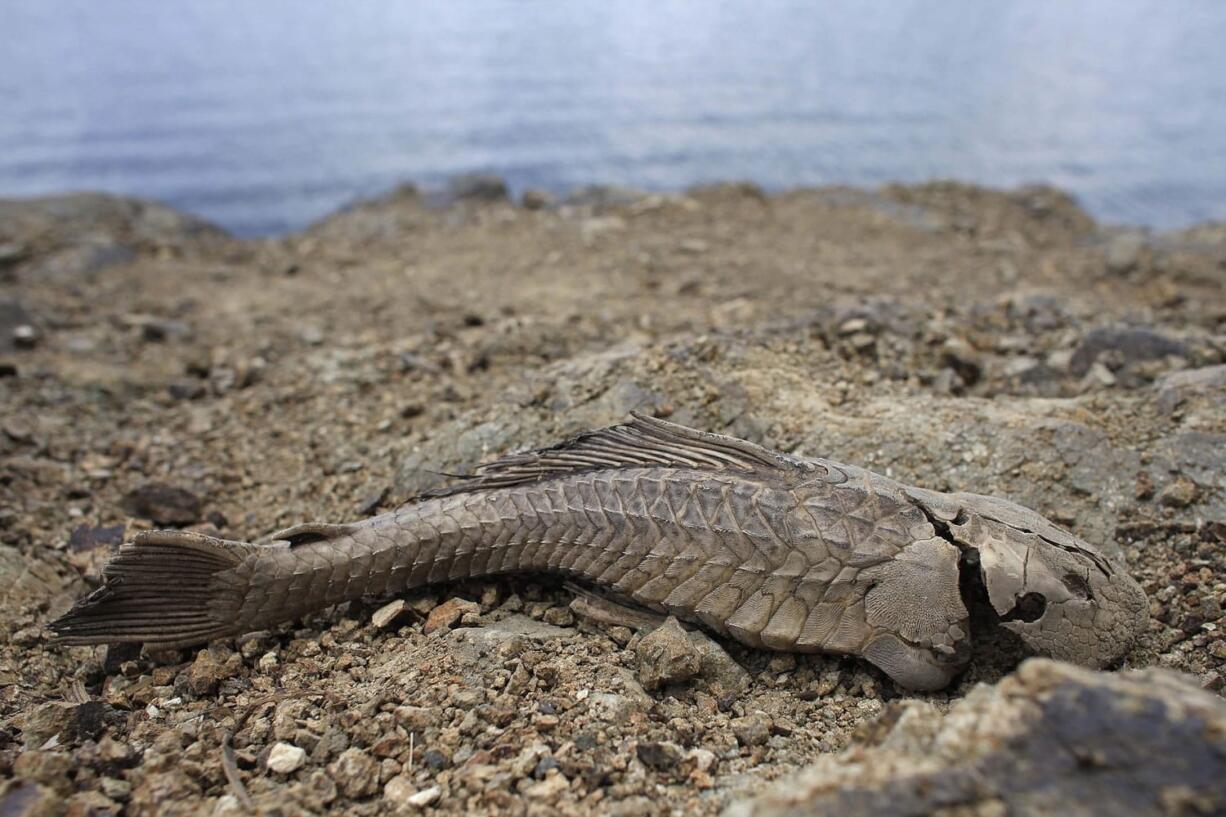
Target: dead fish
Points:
x,y
773,550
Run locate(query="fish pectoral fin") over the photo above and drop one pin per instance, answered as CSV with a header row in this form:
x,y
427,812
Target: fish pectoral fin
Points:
x,y
601,609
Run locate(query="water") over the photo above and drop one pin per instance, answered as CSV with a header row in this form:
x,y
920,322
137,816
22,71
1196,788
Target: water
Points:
x,y
264,116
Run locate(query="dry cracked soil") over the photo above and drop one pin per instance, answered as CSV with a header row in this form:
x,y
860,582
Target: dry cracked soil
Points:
x,y
155,371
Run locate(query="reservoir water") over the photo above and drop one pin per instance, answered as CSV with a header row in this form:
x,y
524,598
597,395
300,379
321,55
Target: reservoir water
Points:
x,y
264,116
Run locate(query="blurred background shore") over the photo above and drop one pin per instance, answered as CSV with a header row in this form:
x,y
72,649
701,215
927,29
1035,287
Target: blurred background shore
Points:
x,y
265,117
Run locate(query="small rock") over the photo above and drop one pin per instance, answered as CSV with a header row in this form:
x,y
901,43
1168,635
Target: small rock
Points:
x,y
1099,375
21,798
752,730
559,617
425,797
11,252
484,187
356,773
1124,252
718,667
284,758
45,721
164,504
449,613
211,667
700,760
1128,345
25,336
12,317
386,615
590,229
1174,388
51,769
399,789
666,656
661,756
959,355
1180,493
534,199
311,335
548,789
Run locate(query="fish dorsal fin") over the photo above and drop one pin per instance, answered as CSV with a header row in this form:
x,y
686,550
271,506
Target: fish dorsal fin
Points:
x,y
642,442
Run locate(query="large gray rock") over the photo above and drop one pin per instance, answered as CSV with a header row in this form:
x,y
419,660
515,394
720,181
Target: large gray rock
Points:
x,y
1050,739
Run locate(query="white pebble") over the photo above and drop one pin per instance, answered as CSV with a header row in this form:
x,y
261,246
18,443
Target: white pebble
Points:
x,y
425,797
284,758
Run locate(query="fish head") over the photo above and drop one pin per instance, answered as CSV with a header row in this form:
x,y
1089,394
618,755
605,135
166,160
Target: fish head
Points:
x,y
1062,595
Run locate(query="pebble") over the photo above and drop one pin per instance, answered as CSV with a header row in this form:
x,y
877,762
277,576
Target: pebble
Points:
x,y
425,797
164,504
449,613
26,799
386,615
355,772
25,336
534,199
284,758
399,789
548,789
666,656
752,730
211,667
1178,494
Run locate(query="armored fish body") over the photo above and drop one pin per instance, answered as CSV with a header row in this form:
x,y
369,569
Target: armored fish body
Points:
x,y
775,551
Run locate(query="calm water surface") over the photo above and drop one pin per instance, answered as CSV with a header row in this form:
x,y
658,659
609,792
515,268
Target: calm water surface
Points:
x,y
266,115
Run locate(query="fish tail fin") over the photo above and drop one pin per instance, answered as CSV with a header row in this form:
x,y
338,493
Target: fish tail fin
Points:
x,y
166,589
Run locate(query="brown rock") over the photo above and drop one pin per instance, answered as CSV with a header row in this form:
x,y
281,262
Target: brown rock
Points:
x,y
164,504
1049,739
211,667
388,614
49,769
356,773
21,798
449,613
666,656
752,730
1179,494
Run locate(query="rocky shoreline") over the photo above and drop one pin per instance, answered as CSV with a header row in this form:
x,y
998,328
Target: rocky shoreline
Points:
x,y
156,371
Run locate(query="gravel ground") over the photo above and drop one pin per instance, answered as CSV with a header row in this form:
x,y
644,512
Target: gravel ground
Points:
x,y
154,371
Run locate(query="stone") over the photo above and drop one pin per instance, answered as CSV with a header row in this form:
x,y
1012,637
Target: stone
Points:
x,y
534,199
22,798
13,316
717,667
356,773
659,755
425,797
1124,252
449,613
211,667
51,769
1049,739
481,187
1176,388
1128,344
388,614
666,656
1180,493
164,504
752,730
285,758
399,789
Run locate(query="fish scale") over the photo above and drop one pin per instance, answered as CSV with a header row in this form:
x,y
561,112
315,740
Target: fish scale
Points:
x,y
772,550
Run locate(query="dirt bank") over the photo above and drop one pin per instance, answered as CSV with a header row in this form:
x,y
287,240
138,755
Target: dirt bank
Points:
x,y
155,371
